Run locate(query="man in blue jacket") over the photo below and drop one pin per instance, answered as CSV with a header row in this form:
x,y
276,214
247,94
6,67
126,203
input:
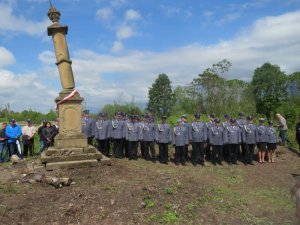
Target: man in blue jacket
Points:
x,y
13,132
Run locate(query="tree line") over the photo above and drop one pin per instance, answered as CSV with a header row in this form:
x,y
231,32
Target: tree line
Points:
x,y
271,90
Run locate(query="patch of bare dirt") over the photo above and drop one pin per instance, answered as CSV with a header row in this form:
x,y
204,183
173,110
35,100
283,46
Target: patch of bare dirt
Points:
x,y
142,192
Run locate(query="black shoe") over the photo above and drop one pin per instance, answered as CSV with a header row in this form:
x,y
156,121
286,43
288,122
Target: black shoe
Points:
x,y
194,164
183,163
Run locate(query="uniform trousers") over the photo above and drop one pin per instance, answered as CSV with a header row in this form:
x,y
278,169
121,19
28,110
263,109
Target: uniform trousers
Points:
x,y
180,154
132,149
90,140
208,152
233,153
249,151
28,145
103,146
217,154
117,148
124,147
163,152
197,152
149,145
142,148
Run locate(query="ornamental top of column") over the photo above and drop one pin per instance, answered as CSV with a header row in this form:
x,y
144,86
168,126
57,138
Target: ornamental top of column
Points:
x,y
53,14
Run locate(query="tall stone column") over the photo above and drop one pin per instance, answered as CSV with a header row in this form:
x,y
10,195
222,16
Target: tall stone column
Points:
x,y
70,147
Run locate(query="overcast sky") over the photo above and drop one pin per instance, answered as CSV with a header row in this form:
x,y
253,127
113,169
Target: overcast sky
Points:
x,y
118,47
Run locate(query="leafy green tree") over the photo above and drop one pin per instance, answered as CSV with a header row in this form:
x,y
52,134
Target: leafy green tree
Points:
x,y
160,96
212,86
269,88
187,99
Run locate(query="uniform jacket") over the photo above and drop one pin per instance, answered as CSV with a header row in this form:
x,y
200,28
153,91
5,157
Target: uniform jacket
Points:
x,y
133,131
117,129
13,133
180,136
217,135
261,134
88,126
163,133
249,134
272,135
197,132
234,134
102,128
148,132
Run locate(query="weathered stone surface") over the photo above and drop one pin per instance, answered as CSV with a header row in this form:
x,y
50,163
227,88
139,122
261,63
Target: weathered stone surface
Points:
x,y
71,164
71,149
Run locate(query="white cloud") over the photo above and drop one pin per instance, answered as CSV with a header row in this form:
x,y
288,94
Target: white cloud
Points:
x,y
24,91
105,14
124,31
228,18
12,23
6,57
117,47
132,15
102,78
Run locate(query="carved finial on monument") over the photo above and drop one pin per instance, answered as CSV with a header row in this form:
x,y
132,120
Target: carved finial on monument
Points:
x,y
53,14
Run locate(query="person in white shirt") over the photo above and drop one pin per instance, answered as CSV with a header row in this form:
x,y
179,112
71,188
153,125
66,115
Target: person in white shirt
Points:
x,y
28,133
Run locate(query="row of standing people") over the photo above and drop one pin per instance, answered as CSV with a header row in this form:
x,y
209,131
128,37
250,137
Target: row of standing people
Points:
x,y
212,140
18,140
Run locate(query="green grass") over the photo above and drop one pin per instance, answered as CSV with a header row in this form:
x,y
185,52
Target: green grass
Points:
x,y
9,189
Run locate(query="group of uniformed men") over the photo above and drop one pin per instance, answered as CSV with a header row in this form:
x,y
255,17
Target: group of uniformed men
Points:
x,y
214,141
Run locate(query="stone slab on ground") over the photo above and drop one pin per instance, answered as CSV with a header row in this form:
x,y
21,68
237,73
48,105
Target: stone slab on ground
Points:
x,y
72,164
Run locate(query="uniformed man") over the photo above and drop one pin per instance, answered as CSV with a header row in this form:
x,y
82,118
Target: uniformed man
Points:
x,y
148,138
249,134
102,128
209,125
88,126
117,133
261,140
187,126
197,136
133,135
142,122
124,144
234,139
180,140
225,124
241,122
217,137
272,141
163,138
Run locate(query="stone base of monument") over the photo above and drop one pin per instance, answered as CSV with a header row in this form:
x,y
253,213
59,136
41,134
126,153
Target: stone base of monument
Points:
x,y
54,158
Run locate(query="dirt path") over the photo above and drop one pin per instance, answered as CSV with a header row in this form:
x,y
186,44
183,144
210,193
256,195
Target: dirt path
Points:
x,y
141,192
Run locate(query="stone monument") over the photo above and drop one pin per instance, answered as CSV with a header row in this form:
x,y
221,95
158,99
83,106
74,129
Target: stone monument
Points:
x,y
70,148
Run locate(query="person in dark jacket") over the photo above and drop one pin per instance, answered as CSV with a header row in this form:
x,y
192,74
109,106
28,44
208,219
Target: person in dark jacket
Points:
x,y
41,136
3,144
298,133
48,134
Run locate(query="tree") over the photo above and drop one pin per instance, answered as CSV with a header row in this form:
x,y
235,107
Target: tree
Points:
x,y
187,100
269,88
212,86
160,96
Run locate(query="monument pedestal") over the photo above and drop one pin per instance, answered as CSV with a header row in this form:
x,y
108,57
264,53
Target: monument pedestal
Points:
x,y
71,149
